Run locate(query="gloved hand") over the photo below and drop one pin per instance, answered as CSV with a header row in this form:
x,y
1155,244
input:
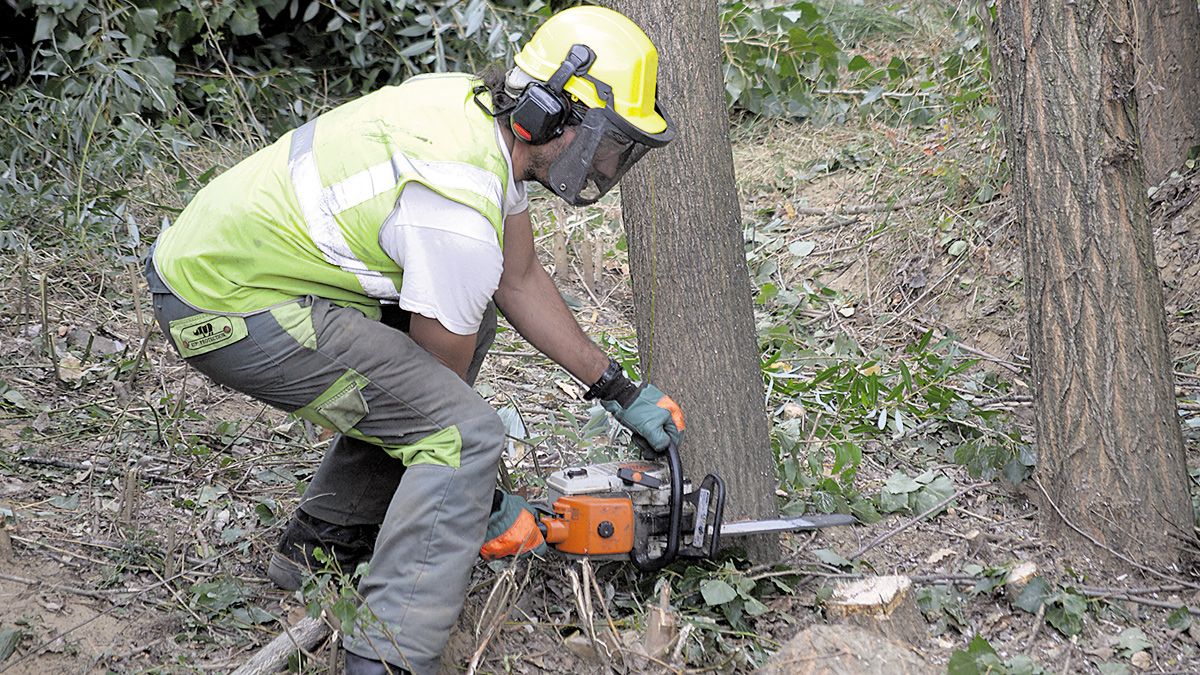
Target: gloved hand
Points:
x,y
512,529
650,413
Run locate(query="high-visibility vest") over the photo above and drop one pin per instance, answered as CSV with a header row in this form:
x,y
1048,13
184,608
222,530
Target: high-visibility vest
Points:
x,y
302,216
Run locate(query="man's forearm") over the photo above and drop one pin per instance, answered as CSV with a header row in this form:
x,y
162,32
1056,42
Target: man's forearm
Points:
x,y
536,309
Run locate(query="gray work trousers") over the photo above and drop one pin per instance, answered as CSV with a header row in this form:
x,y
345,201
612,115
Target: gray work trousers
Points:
x,y
417,451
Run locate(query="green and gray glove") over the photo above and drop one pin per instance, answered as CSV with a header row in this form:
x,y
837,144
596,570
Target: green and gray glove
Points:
x,y
644,410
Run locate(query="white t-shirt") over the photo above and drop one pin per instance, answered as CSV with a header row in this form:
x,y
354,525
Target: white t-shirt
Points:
x,y
449,252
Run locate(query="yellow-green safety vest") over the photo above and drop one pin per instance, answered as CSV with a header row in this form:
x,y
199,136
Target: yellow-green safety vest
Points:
x,y
302,216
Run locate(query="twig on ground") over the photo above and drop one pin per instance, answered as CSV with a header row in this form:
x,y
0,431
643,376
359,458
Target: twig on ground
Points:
x,y
1008,365
499,602
87,593
913,521
1036,628
306,634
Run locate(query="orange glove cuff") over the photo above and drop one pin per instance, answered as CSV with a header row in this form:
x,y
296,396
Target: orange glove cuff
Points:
x,y
522,537
667,403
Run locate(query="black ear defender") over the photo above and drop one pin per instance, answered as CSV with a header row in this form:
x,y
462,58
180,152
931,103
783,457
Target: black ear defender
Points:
x,y
542,110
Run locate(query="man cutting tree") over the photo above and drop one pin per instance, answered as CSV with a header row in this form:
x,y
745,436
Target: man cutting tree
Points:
x,y
350,273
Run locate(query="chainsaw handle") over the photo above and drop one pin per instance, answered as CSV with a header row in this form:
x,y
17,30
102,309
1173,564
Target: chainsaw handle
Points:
x,y
647,564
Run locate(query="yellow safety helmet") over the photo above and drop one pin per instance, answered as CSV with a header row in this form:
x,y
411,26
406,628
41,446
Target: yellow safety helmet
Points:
x,y
593,70
625,60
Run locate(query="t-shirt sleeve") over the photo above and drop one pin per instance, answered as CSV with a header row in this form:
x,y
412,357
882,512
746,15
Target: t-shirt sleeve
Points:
x,y
517,199
450,256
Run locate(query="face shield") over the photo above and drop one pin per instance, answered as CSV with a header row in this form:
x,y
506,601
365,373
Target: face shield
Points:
x,y
604,147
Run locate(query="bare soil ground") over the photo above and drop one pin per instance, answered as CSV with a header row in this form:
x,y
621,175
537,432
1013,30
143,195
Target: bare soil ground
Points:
x,y
141,501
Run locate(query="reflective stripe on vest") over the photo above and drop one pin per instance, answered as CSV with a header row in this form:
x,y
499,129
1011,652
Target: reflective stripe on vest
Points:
x,y
315,205
320,205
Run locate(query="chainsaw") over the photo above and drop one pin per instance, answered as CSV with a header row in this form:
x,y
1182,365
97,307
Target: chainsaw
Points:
x,y
647,512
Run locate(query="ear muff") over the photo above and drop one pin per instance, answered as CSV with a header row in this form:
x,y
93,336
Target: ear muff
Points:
x,y
542,110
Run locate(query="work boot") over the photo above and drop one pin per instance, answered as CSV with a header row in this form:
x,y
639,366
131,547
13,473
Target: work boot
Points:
x,y
357,665
347,545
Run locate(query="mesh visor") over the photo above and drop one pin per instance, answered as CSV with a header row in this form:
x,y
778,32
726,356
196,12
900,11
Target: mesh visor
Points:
x,y
595,161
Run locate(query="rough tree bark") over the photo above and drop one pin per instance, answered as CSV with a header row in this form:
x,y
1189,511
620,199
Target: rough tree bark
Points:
x,y
1168,83
1111,450
691,286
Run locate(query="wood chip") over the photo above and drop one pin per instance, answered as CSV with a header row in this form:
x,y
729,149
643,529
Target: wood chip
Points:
x,y
940,555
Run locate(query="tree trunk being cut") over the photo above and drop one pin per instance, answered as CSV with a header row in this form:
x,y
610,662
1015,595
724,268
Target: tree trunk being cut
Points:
x,y
691,284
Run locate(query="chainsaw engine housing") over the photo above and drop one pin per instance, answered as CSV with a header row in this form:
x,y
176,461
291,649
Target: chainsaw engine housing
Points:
x,y
616,509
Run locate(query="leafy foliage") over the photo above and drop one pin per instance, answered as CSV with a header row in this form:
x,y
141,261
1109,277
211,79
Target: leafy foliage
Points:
x,y
943,608
776,57
906,494
1064,610
979,658
148,81
795,59
854,398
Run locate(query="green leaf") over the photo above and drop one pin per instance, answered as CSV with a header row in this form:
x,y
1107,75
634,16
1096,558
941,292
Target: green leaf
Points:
x,y
44,29
858,63
755,608
865,511
873,94
252,615
900,483
1023,665
311,11
244,20
14,397
1064,622
418,47
9,639
966,661
890,502
716,592
217,596
957,248
1180,619
1034,595
211,493
941,488
65,502
1132,641
829,557
801,249
143,22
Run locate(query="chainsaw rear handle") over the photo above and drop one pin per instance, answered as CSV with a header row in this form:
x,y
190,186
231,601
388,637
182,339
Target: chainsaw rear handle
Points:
x,y
646,563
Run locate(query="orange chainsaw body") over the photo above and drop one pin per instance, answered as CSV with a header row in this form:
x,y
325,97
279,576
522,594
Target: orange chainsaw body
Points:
x,y
585,525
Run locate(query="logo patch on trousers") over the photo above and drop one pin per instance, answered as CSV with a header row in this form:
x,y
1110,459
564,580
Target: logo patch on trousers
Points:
x,y
200,333
211,332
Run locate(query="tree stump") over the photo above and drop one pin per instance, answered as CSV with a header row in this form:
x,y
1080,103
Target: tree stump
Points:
x,y
883,604
844,650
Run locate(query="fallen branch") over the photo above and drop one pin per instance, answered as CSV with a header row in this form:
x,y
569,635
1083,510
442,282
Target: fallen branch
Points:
x,y
306,634
102,468
913,521
859,209
85,592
